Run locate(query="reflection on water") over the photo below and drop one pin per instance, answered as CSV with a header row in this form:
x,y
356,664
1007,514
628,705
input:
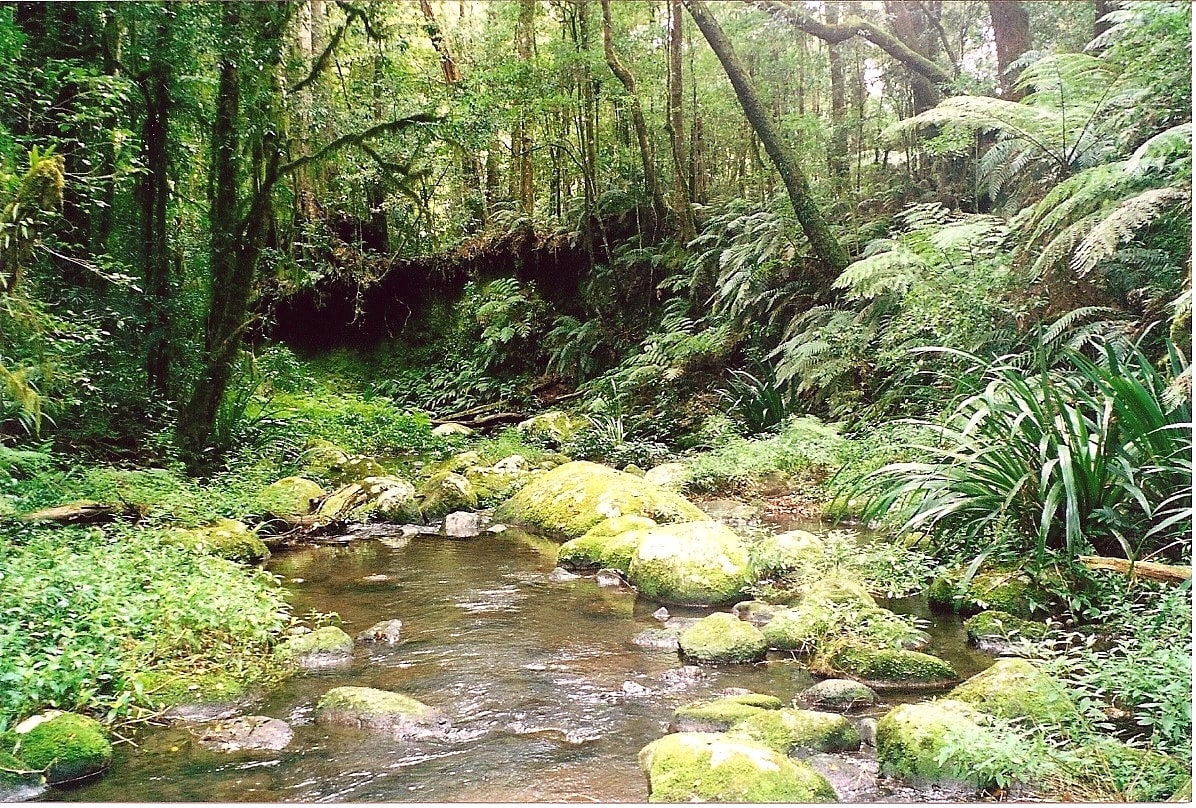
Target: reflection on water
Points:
x,y
549,697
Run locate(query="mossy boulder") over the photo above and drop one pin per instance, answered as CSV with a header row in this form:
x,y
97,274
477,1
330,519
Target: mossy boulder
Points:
x,y
1008,589
695,563
816,623
604,545
290,497
495,484
784,552
667,475
392,499
321,456
885,668
163,690
227,538
445,492
716,767
722,639
369,708
18,780
66,747
822,590
997,632
1015,688
574,497
792,731
323,648
552,427
719,715
930,743
838,695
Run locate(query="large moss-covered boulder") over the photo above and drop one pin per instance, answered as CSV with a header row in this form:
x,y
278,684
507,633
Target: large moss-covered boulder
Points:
x,y
784,552
793,731
997,632
290,497
719,715
932,743
838,695
572,498
716,767
444,493
65,746
1008,589
1015,688
608,544
695,563
722,639
368,708
325,647
227,538
392,499
885,668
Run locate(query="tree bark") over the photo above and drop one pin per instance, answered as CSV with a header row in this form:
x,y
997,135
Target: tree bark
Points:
x,y
837,161
448,65
1011,29
822,241
682,204
647,160
522,175
1103,7
910,23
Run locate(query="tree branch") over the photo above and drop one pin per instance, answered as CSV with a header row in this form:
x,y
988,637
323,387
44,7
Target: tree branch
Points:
x,y
321,61
356,139
854,26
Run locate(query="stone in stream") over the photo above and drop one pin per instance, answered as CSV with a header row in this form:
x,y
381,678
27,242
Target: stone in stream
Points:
x,y
368,708
932,743
463,525
451,428
190,697
610,579
1007,588
838,695
756,612
996,632
693,564
661,614
446,492
715,767
66,746
560,575
226,538
246,733
327,647
885,668
290,497
722,638
609,543
719,715
795,732
386,631
1015,688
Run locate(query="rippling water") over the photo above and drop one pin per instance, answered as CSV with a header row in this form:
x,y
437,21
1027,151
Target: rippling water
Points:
x,y
550,699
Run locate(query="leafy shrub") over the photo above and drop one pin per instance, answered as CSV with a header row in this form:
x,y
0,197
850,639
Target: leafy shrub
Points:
x,y
882,567
356,424
755,400
805,447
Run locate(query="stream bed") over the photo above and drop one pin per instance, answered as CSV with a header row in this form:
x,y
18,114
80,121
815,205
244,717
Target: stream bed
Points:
x,y
550,698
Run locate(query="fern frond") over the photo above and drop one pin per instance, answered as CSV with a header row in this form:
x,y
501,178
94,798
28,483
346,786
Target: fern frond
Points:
x,y
1122,223
890,272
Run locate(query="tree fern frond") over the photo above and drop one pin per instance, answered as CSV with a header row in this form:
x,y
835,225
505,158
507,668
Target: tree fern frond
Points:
x,y
1122,223
1162,150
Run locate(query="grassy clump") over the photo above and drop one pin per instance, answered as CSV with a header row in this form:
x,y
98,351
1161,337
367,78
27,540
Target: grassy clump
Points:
x,y
86,609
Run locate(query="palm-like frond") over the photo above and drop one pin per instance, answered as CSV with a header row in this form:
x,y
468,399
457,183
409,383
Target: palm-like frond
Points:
x,y
1122,223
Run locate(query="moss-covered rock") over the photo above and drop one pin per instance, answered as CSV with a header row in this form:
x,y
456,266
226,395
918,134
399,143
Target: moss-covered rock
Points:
x,y
816,623
323,648
18,780
793,731
392,499
722,638
756,612
552,427
997,632
929,743
719,715
783,552
66,747
227,538
444,493
290,497
667,475
1015,688
695,563
885,668
160,690
715,767
610,544
572,498
1008,589
838,695
369,708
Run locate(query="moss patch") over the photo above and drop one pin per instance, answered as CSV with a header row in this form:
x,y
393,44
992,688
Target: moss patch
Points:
x,y
227,538
790,731
717,715
444,493
162,689
928,742
328,640
574,497
1015,688
722,638
66,747
1007,589
696,563
839,695
609,544
996,631
885,668
714,767
289,497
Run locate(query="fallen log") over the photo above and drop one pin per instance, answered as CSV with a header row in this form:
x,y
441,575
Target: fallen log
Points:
x,y
1150,570
81,513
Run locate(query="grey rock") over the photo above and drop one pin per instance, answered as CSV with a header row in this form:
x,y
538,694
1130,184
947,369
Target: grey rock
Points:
x,y
463,525
251,732
838,695
386,631
661,614
610,579
867,727
560,575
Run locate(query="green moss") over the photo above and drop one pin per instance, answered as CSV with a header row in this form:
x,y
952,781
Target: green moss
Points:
x,y
839,695
781,552
227,538
716,715
817,623
723,638
713,767
66,747
1007,589
929,742
997,627
289,497
15,772
371,700
600,548
326,640
885,667
1015,688
162,689
444,493
696,563
555,427
790,730
572,498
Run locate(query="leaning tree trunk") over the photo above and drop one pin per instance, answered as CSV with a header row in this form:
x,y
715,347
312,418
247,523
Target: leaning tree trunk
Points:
x,y
822,241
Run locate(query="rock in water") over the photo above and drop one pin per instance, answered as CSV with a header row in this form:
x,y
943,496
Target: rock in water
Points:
x,y
693,564
723,638
247,733
327,647
463,525
368,708
386,631
610,579
839,695
66,746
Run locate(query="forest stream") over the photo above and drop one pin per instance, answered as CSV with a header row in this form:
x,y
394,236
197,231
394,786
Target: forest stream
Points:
x,y
549,696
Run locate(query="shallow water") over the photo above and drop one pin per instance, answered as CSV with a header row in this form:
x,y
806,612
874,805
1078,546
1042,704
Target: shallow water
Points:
x,y
550,699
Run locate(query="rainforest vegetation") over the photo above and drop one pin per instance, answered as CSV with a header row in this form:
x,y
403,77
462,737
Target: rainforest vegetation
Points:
x,y
922,266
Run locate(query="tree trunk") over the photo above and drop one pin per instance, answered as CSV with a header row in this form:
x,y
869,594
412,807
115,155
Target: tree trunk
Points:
x,y
909,24
1011,29
837,161
1103,7
822,241
647,160
686,229
522,176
